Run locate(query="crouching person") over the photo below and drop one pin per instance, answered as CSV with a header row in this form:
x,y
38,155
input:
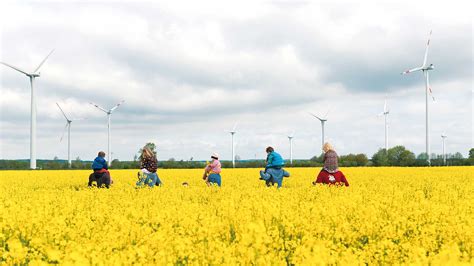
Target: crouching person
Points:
x,y
149,166
274,171
101,174
330,174
212,172
337,178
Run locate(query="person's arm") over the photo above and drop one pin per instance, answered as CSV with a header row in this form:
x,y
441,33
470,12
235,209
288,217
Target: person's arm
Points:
x,y
343,179
104,164
208,168
153,165
269,159
319,179
144,166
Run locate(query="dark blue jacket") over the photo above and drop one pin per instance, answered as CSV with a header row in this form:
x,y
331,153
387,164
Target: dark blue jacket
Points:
x,y
274,160
99,163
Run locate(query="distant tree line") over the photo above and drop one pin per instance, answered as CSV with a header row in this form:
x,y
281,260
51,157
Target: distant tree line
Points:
x,y
396,156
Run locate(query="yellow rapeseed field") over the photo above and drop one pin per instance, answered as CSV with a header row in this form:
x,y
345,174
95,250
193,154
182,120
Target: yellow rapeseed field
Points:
x,y
386,216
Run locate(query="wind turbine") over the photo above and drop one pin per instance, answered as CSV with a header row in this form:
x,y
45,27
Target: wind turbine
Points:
x,y
290,139
32,76
385,114
232,133
109,113
68,127
426,68
323,120
443,138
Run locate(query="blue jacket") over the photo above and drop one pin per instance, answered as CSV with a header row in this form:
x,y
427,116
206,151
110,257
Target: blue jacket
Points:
x,y
99,163
274,160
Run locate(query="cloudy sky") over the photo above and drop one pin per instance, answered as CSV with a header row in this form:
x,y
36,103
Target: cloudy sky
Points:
x,y
189,70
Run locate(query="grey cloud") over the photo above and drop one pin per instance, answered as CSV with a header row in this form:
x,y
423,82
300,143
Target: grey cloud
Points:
x,y
165,88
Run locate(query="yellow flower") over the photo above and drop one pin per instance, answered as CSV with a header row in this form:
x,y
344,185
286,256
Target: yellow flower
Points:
x,y
387,216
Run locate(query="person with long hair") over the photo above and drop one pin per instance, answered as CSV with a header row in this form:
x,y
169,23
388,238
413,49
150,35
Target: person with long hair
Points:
x,y
330,174
149,166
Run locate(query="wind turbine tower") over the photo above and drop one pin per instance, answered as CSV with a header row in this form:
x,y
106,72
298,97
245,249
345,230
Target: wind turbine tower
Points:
x,y
232,133
68,127
425,68
385,114
109,113
323,120
32,76
290,139
443,138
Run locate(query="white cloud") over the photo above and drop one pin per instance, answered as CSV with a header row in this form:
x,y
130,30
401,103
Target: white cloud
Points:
x,y
188,70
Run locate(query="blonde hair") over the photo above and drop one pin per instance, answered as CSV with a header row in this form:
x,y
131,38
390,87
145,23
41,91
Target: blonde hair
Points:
x,y
327,147
146,152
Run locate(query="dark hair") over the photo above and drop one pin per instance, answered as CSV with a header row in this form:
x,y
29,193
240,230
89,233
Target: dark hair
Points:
x,y
101,154
214,157
269,149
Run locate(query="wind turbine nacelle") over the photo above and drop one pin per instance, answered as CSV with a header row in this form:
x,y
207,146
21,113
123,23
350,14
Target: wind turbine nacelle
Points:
x,y
35,75
430,67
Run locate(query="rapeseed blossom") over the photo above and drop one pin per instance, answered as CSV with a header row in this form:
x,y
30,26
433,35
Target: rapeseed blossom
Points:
x,y
386,216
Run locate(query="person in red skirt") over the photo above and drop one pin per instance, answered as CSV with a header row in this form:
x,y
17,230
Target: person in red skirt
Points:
x,y
330,174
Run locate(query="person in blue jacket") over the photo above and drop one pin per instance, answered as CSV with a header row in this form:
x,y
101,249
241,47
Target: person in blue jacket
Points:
x,y
101,174
100,162
274,171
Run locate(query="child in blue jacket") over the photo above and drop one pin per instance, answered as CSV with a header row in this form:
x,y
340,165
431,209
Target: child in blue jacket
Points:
x,y
101,173
100,162
274,171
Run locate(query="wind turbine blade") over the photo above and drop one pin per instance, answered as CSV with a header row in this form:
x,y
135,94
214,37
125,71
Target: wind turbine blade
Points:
x,y
100,108
315,116
42,62
329,109
117,105
427,48
385,106
429,86
235,126
411,70
62,111
16,68
62,135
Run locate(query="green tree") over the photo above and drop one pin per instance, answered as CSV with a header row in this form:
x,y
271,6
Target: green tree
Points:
x,y
471,153
317,159
361,159
380,158
353,160
399,156
422,159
